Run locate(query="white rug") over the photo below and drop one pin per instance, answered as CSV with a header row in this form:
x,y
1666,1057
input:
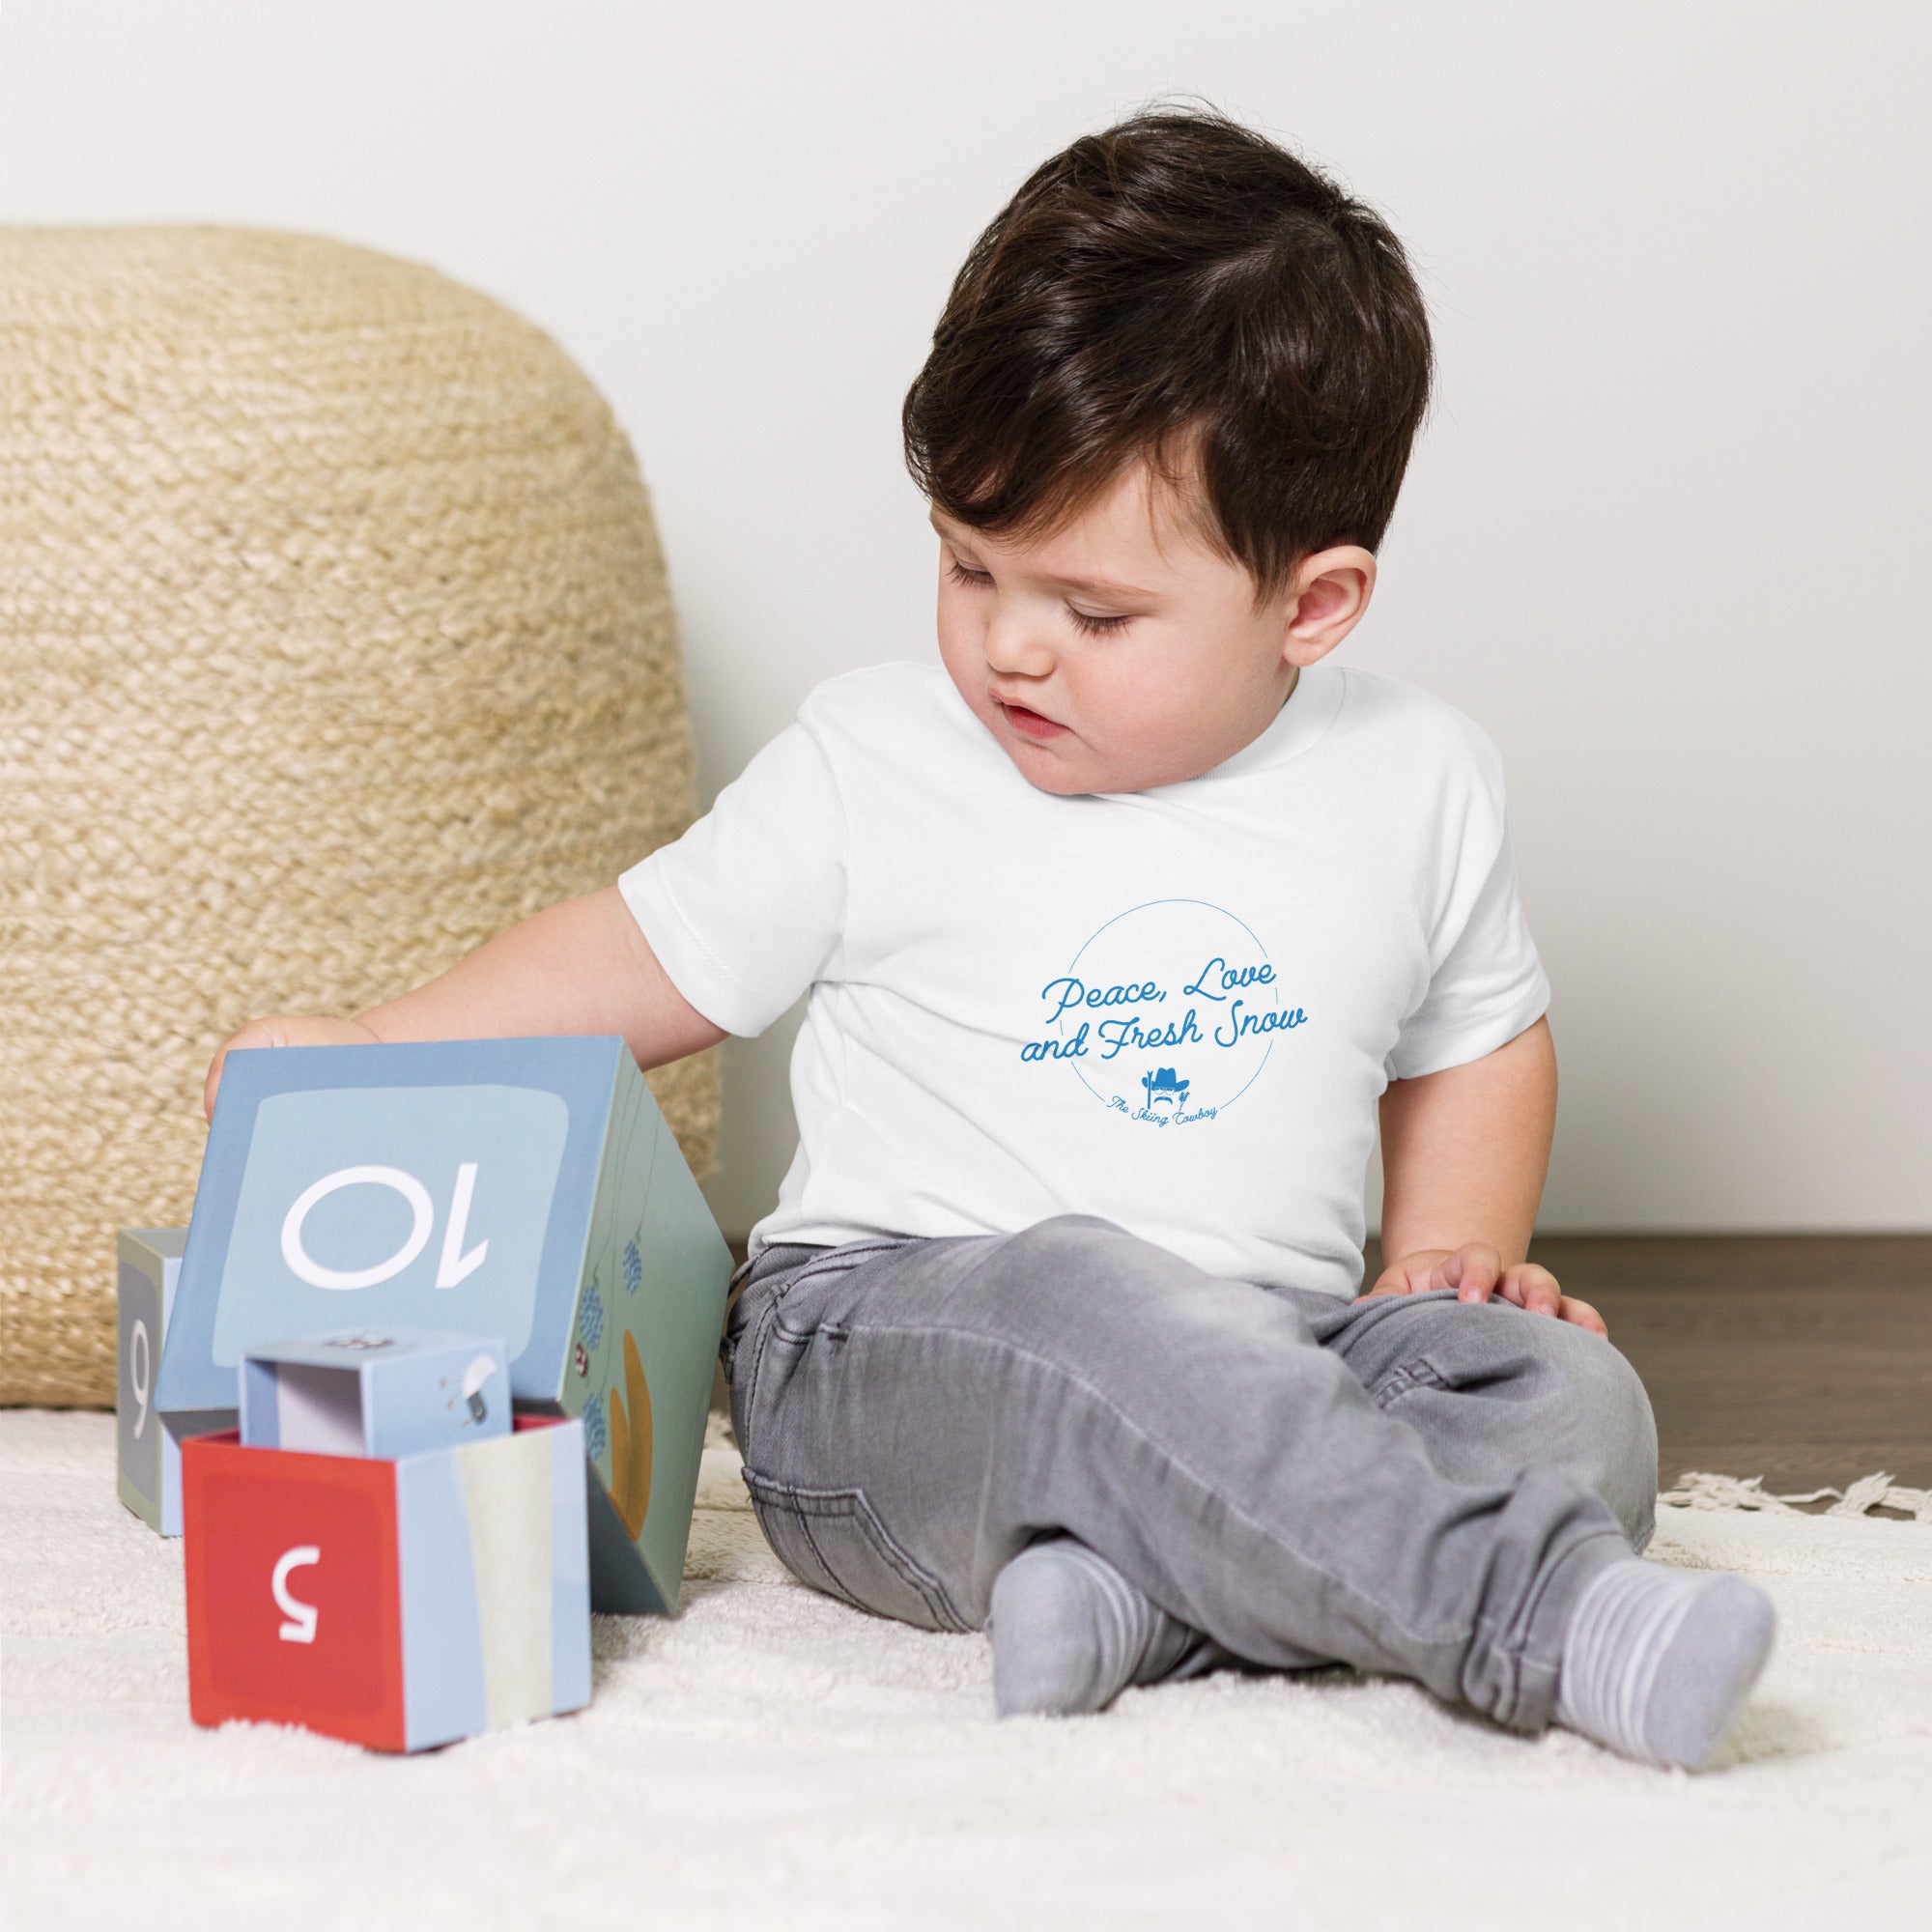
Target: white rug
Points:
x,y
772,1759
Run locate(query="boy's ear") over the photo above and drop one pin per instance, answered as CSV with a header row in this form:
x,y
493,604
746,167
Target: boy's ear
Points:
x,y
1324,601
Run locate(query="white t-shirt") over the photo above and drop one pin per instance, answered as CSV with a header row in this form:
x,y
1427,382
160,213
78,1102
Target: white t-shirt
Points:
x,y
1173,1009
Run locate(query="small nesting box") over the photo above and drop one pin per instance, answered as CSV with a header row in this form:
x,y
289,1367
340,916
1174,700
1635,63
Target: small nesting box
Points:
x,y
397,1604
373,1394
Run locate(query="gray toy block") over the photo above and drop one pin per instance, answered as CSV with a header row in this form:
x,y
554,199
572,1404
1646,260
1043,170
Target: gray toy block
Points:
x,y
149,1473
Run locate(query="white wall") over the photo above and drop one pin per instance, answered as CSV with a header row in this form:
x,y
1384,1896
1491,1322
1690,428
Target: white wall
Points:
x,y
1663,537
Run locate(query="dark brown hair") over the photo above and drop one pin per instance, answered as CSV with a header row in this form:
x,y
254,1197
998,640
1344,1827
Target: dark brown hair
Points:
x,y
1179,290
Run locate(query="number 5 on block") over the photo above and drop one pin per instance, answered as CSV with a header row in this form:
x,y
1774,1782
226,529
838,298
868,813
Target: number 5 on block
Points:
x,y
301,1616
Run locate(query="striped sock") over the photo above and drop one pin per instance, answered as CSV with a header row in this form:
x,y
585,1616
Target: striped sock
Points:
x,y
1657,1662
1070,1633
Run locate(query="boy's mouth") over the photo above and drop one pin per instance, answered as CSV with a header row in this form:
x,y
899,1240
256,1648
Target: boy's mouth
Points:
x,y
1030,723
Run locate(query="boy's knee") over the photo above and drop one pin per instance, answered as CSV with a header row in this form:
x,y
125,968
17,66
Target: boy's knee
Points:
x,y
1611,1393
1561,1398
1074,1256
1040,1284
1082,1291
1607,1420
1065,1235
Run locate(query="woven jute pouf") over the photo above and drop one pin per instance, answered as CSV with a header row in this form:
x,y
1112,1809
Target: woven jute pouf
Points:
x,y
334,638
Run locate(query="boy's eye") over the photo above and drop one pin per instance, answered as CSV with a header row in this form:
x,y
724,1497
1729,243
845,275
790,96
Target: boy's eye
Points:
x,y
976,578
1094,626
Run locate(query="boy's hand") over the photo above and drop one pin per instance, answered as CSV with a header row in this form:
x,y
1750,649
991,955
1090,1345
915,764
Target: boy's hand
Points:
x,y
1475,1272
285,1030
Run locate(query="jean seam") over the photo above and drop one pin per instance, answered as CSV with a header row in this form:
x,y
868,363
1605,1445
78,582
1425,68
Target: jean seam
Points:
x,y
1515,1649
769,1324
837,1261
831,1576
1414,1373
781,1503
802,1502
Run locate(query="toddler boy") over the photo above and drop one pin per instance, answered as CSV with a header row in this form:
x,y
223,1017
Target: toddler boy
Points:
x,y
1118,931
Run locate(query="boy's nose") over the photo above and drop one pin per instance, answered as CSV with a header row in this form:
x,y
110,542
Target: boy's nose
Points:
x,y
1013,651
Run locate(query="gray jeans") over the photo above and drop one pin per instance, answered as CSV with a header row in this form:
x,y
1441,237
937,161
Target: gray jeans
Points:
x,y
1409,1485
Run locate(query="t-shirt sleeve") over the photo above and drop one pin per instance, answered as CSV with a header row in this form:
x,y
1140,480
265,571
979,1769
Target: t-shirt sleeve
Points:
x,y
1486,983
745,911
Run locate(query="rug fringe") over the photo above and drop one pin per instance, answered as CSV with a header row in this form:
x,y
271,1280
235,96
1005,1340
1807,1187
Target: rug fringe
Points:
x,y
1699,1489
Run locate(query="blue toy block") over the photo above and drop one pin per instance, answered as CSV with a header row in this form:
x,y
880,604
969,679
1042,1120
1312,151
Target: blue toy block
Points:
x,y
524,1188
402,1604
378,1394
149,1473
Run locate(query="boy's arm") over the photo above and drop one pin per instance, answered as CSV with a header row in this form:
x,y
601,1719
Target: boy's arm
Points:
x,y
581,967
1464,1152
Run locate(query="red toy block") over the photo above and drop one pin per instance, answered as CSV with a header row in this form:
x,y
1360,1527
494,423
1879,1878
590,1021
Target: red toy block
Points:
x,y
293,1609
401,1604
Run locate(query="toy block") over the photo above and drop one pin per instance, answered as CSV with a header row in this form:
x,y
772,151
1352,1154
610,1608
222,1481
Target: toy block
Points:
x,y
523,1188
149,1470
399,1604
377,1394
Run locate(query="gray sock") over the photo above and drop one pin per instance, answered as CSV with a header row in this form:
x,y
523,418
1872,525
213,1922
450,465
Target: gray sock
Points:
x,y
1070,1633
1657,1662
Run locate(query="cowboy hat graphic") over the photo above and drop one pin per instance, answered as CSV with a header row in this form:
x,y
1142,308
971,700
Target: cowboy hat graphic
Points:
x,y
1161,1085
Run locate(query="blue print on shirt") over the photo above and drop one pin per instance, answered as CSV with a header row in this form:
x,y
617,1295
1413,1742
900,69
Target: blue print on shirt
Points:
x,y
1167,1014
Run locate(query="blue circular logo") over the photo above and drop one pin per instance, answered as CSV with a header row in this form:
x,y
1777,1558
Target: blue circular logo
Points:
x,y
1168,1013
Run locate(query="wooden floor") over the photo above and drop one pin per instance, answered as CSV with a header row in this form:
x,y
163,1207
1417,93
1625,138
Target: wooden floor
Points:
x,y
1805,1359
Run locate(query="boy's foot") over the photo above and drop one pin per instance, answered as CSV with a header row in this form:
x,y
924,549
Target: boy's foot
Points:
x,y
1657,1662
1070,1633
